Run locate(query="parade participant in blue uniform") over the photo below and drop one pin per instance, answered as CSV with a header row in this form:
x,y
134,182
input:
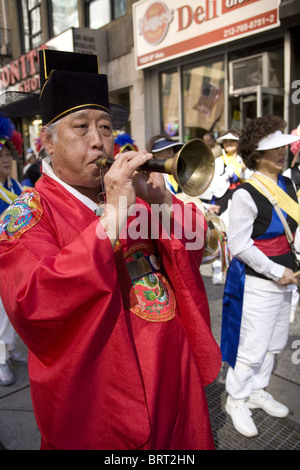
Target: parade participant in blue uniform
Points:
x,y
9,190
257,295
9,187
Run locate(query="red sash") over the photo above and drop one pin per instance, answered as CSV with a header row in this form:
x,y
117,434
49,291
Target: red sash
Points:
x,y
273,246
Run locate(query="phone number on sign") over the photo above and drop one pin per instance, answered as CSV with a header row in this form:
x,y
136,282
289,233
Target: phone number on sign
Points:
x,y
249,26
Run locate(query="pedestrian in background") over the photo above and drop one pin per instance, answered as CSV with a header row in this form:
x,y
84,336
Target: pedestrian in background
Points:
x,y
210,140
162,147
9,190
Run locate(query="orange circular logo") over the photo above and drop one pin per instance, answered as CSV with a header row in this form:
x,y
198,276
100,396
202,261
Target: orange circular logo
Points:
x,y
155,23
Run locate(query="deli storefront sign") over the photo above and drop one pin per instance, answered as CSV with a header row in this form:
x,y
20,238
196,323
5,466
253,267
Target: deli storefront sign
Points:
x,y
172,28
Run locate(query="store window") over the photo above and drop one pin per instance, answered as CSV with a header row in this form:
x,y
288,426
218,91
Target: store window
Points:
x,y
64,15
170,102
101,12
203,98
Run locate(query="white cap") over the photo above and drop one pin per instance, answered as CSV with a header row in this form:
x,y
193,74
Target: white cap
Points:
x,y
276,140
228,136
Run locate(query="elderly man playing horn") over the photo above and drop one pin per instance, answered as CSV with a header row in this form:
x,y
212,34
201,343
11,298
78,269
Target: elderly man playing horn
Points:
x,y
113,311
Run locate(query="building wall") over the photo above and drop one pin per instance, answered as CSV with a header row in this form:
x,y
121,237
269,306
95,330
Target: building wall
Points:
x,y
122,76
120,35
13,22
284,36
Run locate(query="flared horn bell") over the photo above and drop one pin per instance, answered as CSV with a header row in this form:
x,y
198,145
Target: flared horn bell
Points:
x,y
193,167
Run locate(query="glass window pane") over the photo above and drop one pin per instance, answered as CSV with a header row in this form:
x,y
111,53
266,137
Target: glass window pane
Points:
x,y
170,103
64,15
203,99
35,21
25,26
99,13
33,3
37,40
119,8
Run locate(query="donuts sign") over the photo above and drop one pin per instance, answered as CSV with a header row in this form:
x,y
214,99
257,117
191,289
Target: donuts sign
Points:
x,y
155,23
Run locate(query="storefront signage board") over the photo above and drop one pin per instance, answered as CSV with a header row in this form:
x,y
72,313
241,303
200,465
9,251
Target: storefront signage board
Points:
x,y
22,74
167,29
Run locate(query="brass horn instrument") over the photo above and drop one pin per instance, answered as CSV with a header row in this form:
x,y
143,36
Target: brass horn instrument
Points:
x,y
192,166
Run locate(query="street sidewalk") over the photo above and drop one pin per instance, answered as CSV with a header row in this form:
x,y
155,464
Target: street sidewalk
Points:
x,y
18,429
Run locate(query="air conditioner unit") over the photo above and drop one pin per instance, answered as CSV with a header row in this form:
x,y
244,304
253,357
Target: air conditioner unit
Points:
x,y
263,69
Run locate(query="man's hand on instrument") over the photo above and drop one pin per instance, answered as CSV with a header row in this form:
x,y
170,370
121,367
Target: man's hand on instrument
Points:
x,y
119,179
151,187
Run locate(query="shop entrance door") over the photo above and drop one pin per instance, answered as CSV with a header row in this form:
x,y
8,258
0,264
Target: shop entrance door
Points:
x,y
262,101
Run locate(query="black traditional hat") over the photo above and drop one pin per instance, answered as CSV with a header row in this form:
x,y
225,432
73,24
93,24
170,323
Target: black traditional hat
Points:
x,y
69,82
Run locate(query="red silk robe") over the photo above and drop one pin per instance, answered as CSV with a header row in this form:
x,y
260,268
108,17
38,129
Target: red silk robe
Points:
x,y
101,375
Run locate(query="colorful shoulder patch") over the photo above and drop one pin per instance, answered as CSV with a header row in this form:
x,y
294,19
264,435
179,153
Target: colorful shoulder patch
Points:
x,y
24,213
155,299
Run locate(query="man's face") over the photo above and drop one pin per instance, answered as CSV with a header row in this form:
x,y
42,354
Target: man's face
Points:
x,y
272,161
208,140
230,146
82,137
